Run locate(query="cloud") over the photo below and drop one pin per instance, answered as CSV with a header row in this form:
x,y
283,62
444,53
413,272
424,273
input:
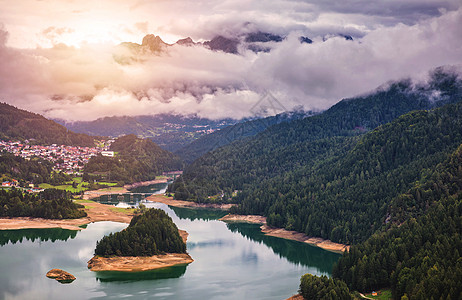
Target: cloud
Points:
x,y
86,82
53,34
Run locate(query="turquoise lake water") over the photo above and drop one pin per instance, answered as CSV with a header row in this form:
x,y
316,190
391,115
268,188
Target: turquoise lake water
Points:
x,y
231,261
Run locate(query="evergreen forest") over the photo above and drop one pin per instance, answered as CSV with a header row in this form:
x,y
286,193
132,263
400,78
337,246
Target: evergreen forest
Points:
x,y
150,233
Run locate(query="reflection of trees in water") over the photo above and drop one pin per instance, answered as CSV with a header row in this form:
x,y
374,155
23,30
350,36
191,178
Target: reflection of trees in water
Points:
x,y
40,235
152,188
198,213
293,251
165,273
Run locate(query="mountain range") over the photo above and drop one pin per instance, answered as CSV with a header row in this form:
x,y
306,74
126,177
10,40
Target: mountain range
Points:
x,y
238,131
169,131
255,41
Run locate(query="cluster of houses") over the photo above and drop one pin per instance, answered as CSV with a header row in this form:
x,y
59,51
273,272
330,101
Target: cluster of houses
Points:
x,y
15,183
69,159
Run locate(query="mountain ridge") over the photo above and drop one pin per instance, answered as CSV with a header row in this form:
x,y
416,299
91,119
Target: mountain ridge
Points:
x,y
20,124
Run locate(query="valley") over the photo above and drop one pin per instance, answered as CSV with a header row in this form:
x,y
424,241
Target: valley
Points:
x,y
228,150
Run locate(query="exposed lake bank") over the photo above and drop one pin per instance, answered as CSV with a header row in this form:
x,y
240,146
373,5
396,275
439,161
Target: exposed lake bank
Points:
x,y
140,263
233,261
286,234
38,223
121,190
96,212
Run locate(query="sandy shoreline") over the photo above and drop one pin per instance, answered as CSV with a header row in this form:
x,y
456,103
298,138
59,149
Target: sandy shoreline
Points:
x,y
138,264
254,219
120,190
38,223
188,204
96,212
287,234
107,191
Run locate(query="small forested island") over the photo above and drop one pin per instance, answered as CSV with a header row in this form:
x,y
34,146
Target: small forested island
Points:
x,y
151,241
48,204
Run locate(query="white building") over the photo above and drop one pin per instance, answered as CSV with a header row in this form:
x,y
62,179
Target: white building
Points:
x,y
107,153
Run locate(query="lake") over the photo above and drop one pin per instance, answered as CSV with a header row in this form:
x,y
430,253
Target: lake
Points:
x,y
232,261
135,195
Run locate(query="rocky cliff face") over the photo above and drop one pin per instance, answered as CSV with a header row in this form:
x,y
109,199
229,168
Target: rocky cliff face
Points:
x,y
154,43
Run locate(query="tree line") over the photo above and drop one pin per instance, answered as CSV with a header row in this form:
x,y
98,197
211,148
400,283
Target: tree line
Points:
x,y
352,174
20,124
150,233
48,204
420,258
136,160
290,146
36,170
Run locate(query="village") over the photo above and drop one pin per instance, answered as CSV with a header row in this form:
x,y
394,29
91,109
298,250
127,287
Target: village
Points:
x,y
67,159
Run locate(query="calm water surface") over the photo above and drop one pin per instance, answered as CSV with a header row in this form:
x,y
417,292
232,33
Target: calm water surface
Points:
x,y
232,261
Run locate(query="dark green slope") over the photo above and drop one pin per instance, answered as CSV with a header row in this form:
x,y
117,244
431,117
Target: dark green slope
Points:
x,y
35,170
136,160
18,124
48,204
239,131
292,145
347,198
420,257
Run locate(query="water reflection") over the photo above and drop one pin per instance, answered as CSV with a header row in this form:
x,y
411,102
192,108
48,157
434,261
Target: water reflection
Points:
x,y
40,235
211,243
157,188
231,261
198,213
295,252
134,197
165,273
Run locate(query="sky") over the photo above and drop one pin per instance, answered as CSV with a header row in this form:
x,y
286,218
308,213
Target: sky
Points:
x,y
58,57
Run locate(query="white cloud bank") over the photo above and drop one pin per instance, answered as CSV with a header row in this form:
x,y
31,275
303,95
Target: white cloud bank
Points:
x,y
84,83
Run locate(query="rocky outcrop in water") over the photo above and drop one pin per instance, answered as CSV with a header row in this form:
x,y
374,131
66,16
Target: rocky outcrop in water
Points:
x,y
61,276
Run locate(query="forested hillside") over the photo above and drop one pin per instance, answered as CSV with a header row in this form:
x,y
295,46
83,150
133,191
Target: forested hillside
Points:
x,y
136,160
287,147
418,253
346,199
148,234
239,131
36,170
49,204
19,124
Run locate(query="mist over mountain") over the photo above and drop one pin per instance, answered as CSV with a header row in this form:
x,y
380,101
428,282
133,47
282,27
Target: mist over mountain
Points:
x,y
221,68
257,41
289,146
169,131
224,136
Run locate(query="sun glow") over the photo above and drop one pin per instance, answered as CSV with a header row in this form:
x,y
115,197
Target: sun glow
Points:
x,y
94,32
